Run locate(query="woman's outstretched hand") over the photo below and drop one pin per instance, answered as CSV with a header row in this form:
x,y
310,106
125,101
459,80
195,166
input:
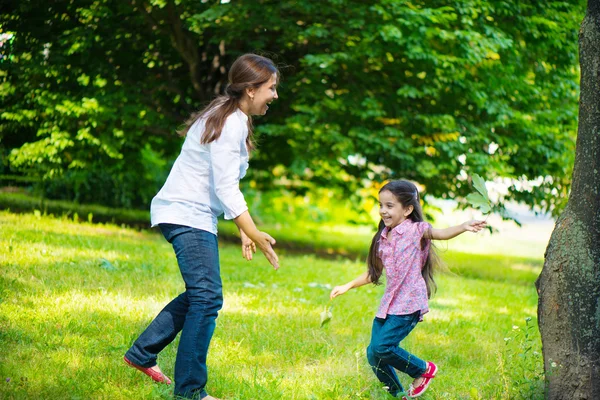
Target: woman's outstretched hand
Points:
x,y
265,244
248,246
474,225
253,238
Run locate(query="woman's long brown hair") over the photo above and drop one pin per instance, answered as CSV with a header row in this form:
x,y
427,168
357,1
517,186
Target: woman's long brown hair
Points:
x,y
248,71
408,195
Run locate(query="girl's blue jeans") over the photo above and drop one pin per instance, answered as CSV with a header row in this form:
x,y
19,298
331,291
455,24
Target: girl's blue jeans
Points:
x,y
385,354
193,312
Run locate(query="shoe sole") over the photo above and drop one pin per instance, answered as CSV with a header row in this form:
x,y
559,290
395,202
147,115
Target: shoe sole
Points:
x,y
162,378
427,382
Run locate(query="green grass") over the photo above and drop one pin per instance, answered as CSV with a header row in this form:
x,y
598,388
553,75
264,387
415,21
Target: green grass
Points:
x,y
73,297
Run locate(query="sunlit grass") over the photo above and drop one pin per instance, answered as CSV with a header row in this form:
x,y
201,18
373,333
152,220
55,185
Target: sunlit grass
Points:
x,y
73,297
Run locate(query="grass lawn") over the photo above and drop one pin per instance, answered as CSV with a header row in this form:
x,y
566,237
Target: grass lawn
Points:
x,y
73,297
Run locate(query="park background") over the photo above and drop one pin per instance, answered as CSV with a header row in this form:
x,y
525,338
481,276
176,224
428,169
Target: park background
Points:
x,y
91,94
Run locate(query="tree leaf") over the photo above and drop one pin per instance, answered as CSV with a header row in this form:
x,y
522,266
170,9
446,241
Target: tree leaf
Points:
x,y
478,201
107,265
479,185
326,316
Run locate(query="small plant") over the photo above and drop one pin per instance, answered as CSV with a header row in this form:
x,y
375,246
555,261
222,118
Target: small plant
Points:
x,y
524,364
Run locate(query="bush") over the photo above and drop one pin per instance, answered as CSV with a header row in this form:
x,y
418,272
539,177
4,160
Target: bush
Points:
x,y
22,202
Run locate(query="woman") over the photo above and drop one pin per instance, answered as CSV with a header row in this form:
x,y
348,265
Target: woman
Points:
x,y
203,184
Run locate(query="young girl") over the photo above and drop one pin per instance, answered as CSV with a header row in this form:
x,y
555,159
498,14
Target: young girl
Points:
x,y
203,184
402,246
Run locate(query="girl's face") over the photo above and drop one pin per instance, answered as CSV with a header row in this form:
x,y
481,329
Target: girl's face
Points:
x,y
263,96
391,210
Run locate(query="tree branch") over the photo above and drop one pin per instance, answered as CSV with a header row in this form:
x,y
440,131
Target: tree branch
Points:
x,y
185,45
158,131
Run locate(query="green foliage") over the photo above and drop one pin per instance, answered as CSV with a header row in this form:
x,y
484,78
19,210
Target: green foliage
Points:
x,y
371,90
69,89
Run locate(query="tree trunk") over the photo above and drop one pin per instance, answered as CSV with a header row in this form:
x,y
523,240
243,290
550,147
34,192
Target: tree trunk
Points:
x,y
569,285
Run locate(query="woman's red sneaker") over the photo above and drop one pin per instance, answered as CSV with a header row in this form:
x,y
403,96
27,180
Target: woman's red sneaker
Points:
x,y
155,375
416,391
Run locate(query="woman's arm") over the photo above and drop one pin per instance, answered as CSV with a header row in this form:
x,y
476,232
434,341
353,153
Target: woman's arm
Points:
x,y
225,160
225,167
361,280
454,231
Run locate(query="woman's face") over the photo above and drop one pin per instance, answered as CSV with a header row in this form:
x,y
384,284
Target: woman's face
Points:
x,y
263,96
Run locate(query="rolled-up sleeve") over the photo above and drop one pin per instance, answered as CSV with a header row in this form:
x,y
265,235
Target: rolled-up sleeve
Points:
x,y
225,161
420,231
421,228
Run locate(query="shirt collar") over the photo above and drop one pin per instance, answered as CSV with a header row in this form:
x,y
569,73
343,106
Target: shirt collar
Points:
x,y
399,229
241,114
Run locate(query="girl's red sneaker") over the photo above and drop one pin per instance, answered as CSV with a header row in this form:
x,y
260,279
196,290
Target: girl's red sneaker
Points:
x,y
155,375
429,374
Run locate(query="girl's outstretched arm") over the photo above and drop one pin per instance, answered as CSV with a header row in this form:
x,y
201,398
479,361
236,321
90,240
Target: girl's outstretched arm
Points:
x,y
453,231
362,280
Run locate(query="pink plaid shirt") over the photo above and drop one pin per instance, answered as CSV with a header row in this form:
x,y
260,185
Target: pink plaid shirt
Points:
x,y
403,259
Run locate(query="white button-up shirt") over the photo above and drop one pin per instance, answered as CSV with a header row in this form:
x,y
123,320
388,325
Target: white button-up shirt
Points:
x,y
204,181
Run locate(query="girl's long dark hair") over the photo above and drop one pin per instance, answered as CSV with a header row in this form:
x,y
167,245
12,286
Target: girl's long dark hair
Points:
x,y
408,195
248,71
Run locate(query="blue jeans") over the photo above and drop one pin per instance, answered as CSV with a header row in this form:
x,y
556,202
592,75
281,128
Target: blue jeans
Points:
x,y
384,353
193,312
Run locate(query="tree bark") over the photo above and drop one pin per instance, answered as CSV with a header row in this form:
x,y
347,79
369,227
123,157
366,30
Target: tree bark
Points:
x,y
569,285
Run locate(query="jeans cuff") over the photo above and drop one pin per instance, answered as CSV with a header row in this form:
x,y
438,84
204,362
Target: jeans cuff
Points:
x,y
131,357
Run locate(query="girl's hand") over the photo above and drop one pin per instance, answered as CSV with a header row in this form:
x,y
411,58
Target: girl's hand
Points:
x,y
338,291
265,243
248,246
474,225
